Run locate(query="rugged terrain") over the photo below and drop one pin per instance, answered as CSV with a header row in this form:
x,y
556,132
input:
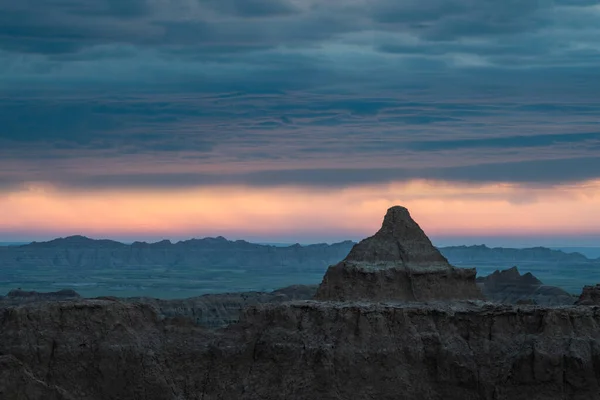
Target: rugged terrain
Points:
x,y
215,265
590,296
209,311
399,348
309,350
164,270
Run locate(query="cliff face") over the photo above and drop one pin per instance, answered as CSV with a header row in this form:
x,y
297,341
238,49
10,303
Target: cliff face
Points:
x,y
510,287
304,350
399,262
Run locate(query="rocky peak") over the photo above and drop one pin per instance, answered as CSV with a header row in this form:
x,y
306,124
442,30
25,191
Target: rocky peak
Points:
x,y
511,276
400,240
399,262
510,287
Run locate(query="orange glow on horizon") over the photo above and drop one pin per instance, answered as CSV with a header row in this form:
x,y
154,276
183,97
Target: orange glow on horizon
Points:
x,y
441,208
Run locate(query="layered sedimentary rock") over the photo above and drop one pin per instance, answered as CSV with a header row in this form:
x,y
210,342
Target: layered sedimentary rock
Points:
x,y
510,287
209,311
101,350
399,262
590,296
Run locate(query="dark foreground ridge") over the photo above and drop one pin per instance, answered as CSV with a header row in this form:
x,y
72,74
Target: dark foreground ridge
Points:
x,y
399,262
99,350
305,350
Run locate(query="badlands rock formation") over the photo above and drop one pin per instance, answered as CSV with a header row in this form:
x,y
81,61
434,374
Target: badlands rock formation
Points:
x,y
209,311
398,263
590,296
102,350
305,350
510,287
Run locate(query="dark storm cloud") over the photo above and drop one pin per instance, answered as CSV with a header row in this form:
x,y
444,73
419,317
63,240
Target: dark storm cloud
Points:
x,y
508,142
252,8
292,139
536,172
308,92
52,26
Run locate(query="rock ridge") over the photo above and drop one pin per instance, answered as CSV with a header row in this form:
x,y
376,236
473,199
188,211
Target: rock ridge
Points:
x,y
465,350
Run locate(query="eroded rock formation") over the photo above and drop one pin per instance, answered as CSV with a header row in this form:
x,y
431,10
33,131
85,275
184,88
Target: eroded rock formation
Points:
x,y
590,296
399,262
305,350
101,350
510,287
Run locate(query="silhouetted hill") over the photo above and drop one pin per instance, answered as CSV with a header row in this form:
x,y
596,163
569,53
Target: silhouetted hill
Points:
x,y
83,252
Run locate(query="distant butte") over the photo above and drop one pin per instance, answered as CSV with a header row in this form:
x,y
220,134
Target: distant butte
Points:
x,y
400,263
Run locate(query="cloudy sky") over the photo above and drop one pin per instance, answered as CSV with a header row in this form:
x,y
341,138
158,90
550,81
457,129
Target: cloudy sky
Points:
x,y
300,120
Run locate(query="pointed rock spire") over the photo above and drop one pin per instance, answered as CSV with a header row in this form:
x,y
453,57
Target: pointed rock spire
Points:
x,y
399,262
400,240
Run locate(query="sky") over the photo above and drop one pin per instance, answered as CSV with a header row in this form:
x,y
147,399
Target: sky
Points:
x,y
300,120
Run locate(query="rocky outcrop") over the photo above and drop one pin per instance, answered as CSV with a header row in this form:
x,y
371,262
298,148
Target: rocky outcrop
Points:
x,y
209,311
398,263
97,350
510,287
590,296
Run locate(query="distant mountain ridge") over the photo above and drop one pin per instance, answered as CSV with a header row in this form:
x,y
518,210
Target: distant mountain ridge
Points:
x,y
482,252
214,264
133,252
81,251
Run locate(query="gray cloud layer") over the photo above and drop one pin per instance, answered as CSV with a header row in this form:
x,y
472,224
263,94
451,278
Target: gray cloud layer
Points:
x,y
160,92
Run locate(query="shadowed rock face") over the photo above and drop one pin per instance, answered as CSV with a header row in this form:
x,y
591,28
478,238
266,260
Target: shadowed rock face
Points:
x,y
400,263
18,383
98,350
590,296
